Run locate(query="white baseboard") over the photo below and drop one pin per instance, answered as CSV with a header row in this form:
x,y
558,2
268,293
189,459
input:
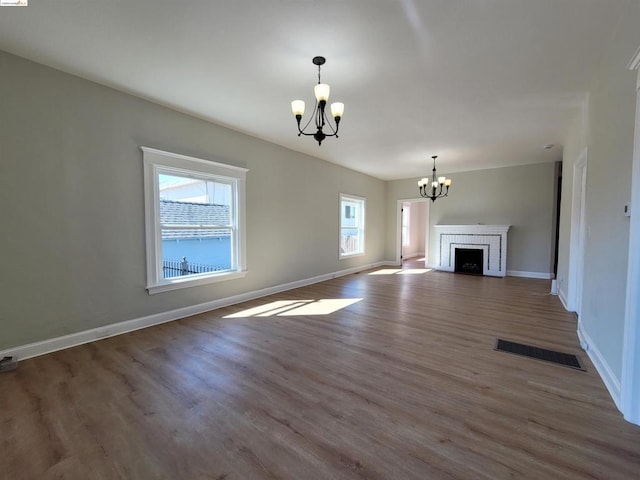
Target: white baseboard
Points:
x,y
67,341
388,263
563,299
607,375
541,275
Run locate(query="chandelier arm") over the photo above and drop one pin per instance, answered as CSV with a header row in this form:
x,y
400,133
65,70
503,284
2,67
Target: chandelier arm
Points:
x,y
334,130
301,130
325,121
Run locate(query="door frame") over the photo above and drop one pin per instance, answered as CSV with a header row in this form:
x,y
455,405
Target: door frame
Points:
x,y
578,234
629,381
399,227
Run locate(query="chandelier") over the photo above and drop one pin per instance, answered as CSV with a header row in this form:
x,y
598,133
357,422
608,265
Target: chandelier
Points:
x,y
321,91
435,187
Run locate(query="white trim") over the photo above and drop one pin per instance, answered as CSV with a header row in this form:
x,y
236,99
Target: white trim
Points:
x,y
497,229
630,383
563,298
603,368
157,161
179,282
541,275
208,163
577,233
24,352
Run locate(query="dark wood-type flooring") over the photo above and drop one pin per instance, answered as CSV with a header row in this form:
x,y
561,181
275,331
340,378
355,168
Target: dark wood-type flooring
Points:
x,y
402,384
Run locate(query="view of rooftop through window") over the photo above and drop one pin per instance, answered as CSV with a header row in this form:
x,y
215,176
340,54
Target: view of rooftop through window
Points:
x,y
195,219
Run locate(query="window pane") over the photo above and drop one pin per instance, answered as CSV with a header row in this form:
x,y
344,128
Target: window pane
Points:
x,y
190,252
190,203
406,212
351,225
177,188
350,241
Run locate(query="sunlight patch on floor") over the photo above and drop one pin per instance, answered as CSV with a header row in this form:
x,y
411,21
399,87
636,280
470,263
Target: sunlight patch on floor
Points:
x,y
400,271
386,271
286,308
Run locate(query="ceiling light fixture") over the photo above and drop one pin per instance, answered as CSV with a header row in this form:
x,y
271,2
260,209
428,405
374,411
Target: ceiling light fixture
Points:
x,y
321,91
429,188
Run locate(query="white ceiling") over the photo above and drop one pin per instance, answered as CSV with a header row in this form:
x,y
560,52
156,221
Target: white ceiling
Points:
x,y
481,83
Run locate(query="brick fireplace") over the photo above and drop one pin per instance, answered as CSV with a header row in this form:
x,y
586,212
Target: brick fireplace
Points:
x,y
491,240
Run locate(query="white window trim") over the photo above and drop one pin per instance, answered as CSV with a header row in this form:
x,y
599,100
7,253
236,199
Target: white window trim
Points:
x,y
347,196
154,159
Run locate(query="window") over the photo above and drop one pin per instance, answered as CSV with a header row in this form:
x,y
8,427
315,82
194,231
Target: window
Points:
x,y
194,220
406,216
351,225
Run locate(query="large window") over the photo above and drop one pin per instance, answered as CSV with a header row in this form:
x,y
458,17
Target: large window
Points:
x,y
352,210
194,221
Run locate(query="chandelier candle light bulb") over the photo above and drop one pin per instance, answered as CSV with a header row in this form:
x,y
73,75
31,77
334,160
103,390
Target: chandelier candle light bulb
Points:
x,y
321,91
297,107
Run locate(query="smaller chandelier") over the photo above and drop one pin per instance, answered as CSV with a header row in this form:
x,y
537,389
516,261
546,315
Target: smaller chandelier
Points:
x,y
321,91
435,187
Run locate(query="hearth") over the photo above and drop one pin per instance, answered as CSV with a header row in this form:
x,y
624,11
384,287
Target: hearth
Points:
x,y
469,261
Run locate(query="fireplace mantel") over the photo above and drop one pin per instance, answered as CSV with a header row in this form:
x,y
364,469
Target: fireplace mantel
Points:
x,y
491,239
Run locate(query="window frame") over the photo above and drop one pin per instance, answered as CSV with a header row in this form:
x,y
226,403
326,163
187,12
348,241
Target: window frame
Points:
x,y
361,226
156,162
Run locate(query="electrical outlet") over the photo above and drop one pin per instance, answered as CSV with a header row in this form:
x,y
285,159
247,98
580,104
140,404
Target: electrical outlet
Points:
x,y
627,209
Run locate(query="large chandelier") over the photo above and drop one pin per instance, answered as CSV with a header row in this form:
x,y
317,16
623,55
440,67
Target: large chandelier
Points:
x,y
435,187
321,91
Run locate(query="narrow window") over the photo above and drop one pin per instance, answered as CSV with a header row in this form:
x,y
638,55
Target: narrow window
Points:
x,y
194,221
406,215
352,214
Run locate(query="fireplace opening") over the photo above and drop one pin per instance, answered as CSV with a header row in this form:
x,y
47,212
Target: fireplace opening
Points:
x,y
469,260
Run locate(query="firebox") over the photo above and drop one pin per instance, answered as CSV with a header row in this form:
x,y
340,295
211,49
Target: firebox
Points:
x,y
469,260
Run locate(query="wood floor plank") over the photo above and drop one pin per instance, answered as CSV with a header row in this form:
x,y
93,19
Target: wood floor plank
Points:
x,y
401,383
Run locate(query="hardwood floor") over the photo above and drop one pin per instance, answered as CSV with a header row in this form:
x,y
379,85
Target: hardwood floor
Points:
x,y
402,384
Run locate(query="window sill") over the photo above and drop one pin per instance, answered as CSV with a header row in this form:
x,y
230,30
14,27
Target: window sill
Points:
x,y
351,255
180,283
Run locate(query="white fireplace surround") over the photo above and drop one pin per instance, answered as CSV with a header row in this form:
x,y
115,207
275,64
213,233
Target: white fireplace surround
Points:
x,y
491,239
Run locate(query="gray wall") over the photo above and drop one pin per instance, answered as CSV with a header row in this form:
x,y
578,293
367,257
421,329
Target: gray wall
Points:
x,y
71,193
521,196
608,134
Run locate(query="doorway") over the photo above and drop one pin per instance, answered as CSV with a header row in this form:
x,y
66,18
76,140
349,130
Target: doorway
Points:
x,y
412,239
